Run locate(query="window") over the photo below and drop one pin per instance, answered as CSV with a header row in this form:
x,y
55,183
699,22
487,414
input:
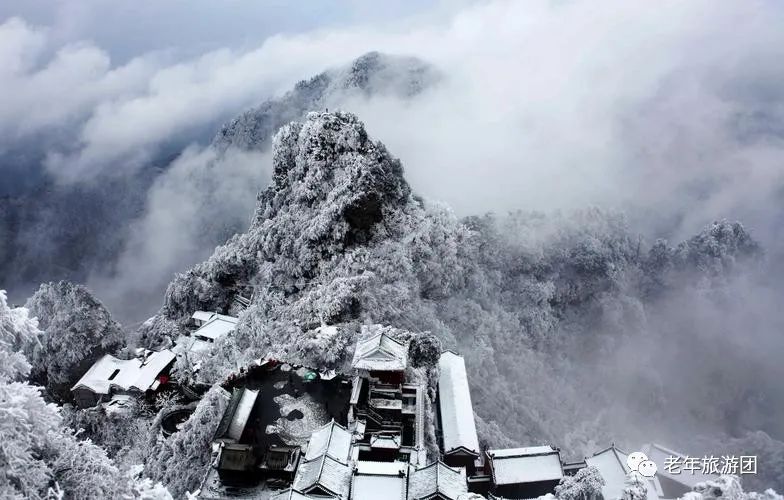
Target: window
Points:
x,y
114,374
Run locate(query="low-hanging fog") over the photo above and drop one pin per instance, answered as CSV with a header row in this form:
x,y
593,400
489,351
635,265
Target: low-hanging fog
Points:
x,y
670,112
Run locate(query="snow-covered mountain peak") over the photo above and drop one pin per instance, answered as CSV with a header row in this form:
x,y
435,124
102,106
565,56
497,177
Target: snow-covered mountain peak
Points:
x,y
334,190
373,74
330,164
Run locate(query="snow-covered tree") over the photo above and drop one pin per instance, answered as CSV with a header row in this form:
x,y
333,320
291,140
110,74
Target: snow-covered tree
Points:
x,y
717,249
26,420
728,487
181,461
83,470
77,331
142,488
17,332
39,458
585,485
118,434
635,487
26,423
424,350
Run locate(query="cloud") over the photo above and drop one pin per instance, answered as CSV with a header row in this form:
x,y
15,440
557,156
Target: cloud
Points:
x,y
546,105
668,110
671,111
41,96
202,200
117,117
122,115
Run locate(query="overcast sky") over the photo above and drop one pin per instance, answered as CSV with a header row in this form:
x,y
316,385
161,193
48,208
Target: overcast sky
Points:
x,y
128,28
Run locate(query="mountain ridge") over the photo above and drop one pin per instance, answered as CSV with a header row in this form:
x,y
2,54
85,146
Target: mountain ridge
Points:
x,y
339,239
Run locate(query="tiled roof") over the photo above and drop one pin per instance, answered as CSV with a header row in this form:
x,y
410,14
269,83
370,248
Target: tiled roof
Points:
x,y
436,478
333,440
292,494
378,351
324,473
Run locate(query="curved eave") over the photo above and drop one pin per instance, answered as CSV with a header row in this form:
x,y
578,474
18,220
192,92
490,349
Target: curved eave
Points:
x,y
462,450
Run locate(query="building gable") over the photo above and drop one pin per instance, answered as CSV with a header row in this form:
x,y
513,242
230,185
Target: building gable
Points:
x,y
377,350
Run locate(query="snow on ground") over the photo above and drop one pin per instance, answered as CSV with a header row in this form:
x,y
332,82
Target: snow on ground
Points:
x,y
297,431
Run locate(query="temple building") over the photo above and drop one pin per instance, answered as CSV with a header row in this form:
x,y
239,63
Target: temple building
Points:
x,y
459,442
110,376
524,472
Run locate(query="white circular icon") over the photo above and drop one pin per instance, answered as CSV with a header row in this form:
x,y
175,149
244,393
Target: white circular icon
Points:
x,y
635,459
647,468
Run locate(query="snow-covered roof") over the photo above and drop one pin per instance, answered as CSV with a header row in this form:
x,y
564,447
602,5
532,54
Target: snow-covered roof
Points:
x,y
333,440
659,454
611,463
107,372
152,366
110,373
216,327
242,414
436,478
323,474
378,351
386,404
202,315
381,468
525,465
379,480
454,399
526,450
292,494
235,418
